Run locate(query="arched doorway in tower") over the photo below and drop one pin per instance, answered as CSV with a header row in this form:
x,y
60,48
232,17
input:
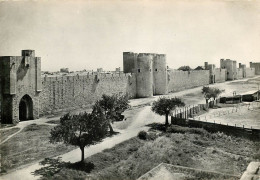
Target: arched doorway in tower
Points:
x,y
26,108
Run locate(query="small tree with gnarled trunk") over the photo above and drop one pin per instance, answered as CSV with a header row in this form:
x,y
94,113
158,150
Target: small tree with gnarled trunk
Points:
x,y
163,106
206,93
211,93
112,108
80,130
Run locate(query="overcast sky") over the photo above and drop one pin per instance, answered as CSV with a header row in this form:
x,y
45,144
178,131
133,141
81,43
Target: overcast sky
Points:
x,y
87,34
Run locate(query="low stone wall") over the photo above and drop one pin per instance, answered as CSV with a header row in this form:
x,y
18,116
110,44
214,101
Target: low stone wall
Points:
x,y
183,117
253,134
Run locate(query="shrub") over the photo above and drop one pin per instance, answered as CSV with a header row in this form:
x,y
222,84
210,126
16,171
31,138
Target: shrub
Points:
x,y
199,131
179,129
142,135
176,129
157,126
32,127
152,136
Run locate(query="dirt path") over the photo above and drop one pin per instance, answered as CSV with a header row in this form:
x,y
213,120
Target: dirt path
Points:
x,y
136,121
143,117
23,124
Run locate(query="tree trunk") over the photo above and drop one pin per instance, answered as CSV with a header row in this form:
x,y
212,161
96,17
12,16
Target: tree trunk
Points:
x,y
110,128
166,120
82,154
207,103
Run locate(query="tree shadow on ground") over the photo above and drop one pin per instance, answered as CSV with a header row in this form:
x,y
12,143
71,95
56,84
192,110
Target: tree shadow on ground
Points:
x,y
111,134
157,126
52,166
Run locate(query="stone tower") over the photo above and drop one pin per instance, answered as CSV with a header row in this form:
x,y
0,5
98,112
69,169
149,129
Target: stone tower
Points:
x,y
255,65
144,75
160,74
20,79
150,70
129,62
231,67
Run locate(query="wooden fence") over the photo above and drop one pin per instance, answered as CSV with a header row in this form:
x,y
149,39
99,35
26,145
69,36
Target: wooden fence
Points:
x,y
186,117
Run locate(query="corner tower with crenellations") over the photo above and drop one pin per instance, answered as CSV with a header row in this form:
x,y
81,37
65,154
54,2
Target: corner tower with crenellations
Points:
x,y
150,70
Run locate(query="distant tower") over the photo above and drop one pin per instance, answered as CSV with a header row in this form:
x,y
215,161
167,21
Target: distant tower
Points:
x,y
144,75
206,65
160,74
255,65
235,69
20,86
231,67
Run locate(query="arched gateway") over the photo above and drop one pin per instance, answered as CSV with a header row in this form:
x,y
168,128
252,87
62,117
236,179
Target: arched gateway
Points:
x,y
26,108
20,87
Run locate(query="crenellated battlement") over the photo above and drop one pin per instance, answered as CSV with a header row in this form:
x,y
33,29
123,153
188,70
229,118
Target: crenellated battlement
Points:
x,y
89,76
24,89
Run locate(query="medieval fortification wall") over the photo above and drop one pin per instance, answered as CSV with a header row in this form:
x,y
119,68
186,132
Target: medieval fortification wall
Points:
x,y
239,73
250,72
25,94
20,85
65,92
220,75
179,80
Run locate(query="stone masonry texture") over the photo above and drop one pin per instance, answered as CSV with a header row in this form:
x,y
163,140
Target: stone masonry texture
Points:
x,y
24,92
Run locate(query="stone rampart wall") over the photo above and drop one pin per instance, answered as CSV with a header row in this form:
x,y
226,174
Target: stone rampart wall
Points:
x,y
220,75
66,92
250,72
256,65
239,73
180,80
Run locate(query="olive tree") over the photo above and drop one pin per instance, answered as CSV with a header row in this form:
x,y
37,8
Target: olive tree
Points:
x,y
211,93
185,68
206,93
80,130
112,107
163,106
215,92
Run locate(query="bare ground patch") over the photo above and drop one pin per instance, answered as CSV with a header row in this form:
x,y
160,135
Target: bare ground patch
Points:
x,y
30,145
243,115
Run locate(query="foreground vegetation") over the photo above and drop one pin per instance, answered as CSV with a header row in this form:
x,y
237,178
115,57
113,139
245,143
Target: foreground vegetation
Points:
x,y
4,134
190,147
30,145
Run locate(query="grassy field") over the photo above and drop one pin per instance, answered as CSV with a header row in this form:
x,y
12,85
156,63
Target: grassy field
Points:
x,y
4,134
190,147
30,145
